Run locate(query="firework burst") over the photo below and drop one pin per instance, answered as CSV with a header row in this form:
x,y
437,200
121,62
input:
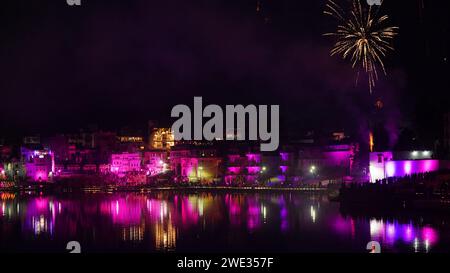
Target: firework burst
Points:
x,y
362,36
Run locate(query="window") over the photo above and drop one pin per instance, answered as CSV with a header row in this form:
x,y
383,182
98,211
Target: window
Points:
x,y
380,158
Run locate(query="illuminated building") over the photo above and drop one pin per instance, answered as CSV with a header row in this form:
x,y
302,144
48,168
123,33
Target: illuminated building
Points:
x,y
276,167
255,166
70,158
243,168
130,141
161,138
125,162
131,144
287,159
398,164
156,161
39,164
198,164
335,159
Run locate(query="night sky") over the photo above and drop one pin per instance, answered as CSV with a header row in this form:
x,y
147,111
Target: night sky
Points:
x,y
116,63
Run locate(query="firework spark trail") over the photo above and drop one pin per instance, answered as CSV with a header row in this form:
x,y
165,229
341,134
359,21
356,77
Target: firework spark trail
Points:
x,y
361,36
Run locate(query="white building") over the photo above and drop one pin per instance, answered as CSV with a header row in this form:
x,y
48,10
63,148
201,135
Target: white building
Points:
x,y
125,162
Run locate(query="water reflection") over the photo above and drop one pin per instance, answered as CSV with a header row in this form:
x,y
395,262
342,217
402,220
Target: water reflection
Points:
x,y
165,236
421,239
169,221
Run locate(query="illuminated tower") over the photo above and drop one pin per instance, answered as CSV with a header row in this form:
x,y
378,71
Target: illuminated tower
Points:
x,y
378,135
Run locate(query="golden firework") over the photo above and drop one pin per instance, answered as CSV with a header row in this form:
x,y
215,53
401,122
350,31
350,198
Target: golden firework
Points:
x,y
362,36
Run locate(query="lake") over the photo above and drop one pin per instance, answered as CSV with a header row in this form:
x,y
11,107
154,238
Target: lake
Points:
x,y
219,221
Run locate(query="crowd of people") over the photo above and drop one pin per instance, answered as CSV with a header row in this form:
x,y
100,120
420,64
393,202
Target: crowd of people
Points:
x,y
421,185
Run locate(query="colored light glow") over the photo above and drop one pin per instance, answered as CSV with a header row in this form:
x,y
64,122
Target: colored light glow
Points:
x,y
430,235
234,208
338,158
429,166
376,228
376,173
284,156
41,204
41,176
408,233
234,170
253,169
400,168
341,225
390,169
391,230
254,157
390,233
253,215
186,209
407,167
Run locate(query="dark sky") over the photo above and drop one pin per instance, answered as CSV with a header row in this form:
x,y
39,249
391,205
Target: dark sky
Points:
x,y
115,62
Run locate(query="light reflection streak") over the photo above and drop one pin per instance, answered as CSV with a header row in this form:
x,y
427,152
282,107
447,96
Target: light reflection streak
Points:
x,y
313,214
